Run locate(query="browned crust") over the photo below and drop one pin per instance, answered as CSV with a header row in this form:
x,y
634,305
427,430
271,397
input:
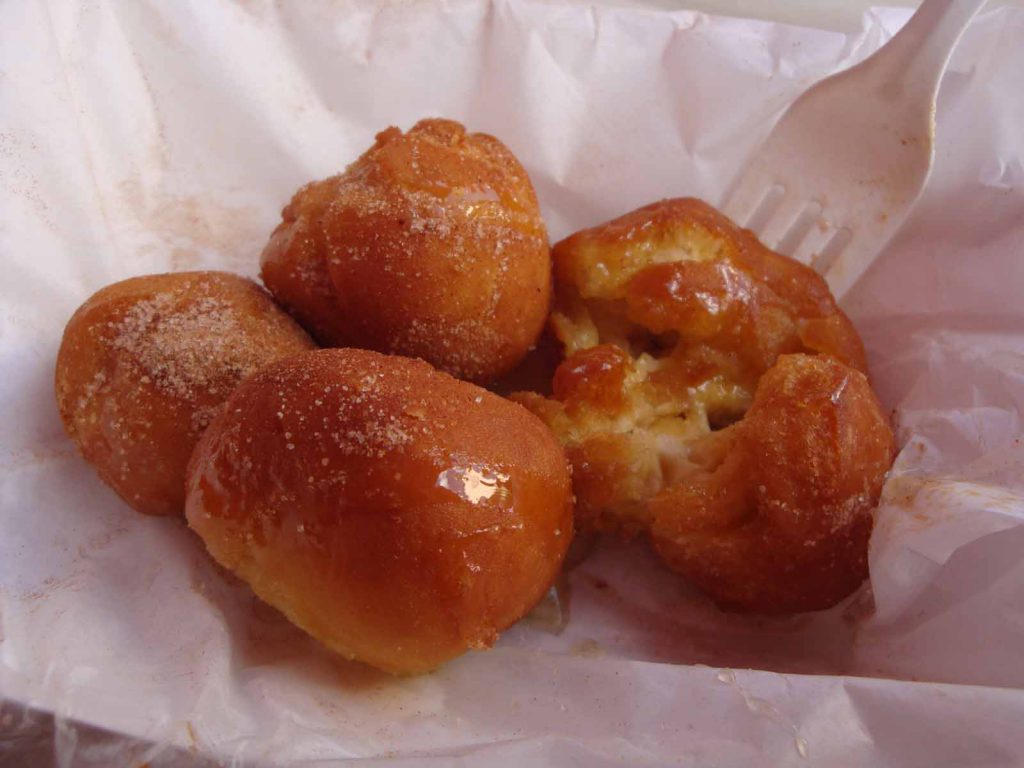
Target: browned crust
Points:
x,y
395,513
430,245
145,363
676,324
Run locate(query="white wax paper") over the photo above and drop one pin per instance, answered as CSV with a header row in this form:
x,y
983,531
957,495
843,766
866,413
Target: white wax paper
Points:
x,y
140,137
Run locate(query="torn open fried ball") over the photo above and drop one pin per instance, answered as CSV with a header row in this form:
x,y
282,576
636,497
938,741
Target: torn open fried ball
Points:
x,y
430,245
692,351
145,364
397,514
775,512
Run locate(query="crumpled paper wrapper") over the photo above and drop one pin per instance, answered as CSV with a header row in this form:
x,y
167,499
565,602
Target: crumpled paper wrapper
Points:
x,y
145,137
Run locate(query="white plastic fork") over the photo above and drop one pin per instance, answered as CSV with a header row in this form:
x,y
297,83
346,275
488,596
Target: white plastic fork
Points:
x,y
846,162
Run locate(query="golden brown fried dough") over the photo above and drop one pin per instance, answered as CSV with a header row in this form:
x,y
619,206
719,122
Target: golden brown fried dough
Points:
x,y
782,523
672,318
145,363
678,280
430,245
398,515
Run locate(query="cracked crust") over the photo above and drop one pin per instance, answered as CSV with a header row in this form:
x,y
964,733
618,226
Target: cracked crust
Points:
x,y
692,353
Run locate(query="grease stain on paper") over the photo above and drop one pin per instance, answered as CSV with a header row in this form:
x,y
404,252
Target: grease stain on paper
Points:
x,y
764,708
194,231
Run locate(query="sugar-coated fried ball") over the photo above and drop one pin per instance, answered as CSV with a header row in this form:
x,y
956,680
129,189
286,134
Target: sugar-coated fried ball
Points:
x,y
398,515
430,245
145,364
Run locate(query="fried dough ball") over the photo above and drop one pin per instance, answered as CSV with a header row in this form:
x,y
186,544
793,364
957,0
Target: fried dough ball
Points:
x,y
672,318
776,515
145,364
430,245
398,515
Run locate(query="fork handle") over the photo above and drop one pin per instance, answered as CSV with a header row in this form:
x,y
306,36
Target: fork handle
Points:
x,y
914,60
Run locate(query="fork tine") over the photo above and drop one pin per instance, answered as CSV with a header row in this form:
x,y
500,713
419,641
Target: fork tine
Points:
x,y
832,252
801,228
784,217
745,199
819,235
766,208
844,262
